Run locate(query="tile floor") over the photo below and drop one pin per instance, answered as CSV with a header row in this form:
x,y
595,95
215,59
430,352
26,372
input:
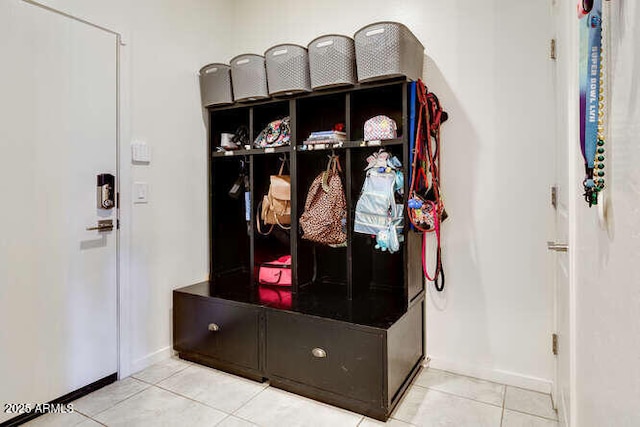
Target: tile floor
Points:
x,y
179,393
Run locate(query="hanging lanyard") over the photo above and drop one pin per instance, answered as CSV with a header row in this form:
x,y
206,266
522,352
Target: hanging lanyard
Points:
x,y
425,164
591,140
412,121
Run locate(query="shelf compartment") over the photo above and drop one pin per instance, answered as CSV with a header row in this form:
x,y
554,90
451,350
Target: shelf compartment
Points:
x,y
230,251
373,269
382,100
317,264
269,247
376,270
264,114
319,113
226,121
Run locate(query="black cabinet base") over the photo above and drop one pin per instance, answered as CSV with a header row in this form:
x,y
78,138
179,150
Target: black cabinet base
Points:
x,y
373,411
357,367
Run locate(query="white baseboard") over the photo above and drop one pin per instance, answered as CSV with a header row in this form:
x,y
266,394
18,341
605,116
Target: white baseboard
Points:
x,y
496,375
150,359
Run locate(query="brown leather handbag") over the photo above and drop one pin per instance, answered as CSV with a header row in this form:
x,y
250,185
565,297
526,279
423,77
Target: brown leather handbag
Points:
x,y
276,205
325,211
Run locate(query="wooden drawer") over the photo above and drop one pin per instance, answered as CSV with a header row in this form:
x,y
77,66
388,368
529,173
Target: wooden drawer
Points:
x,y
217,329
326,354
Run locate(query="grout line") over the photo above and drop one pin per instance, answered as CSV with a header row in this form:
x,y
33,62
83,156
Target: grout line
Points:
x,y
115,404
234,413
465,376
504,396
532,415
191,399
488,381
530,391
264,387
457,395
244,419
162,379
222,420
94,420
403,422
360,422
504,404
295,396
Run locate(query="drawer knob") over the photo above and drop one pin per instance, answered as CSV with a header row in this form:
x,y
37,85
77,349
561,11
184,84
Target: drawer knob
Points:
x,y
213,327
318,352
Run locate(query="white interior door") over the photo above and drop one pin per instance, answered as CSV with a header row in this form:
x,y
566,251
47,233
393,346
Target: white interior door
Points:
x,y
58,294
565,70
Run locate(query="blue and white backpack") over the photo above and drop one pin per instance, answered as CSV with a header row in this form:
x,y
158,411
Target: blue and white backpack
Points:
x,y
377,212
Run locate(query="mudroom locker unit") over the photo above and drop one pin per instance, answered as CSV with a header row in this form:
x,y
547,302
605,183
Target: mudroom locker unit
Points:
x,y
350,329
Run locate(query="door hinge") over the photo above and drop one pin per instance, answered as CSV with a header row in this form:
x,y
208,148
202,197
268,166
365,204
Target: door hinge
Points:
x,y
554,197
553,54
554,344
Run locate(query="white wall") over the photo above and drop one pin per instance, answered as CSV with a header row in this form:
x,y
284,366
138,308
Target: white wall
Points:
x,y
608,278
166,241
488,62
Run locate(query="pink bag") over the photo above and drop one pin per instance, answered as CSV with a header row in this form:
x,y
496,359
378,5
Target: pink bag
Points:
x,y
276,273
275,296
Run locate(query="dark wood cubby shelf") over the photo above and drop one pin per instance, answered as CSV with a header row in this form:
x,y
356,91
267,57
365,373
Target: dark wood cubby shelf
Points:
x,y
350,329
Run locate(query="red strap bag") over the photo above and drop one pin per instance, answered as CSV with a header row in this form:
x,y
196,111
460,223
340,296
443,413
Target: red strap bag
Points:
x,y
276,273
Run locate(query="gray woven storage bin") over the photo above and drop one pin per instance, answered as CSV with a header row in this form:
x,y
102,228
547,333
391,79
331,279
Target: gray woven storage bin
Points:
x,y
388,49
288,69
215,85
332,61
249,77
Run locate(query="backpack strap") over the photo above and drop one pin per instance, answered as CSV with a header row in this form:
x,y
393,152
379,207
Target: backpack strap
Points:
x,y
258,226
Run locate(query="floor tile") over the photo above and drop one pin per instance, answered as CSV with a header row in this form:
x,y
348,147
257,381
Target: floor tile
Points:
x,y
277,408
232,421
518,419
214,388
159,408
89,423
368,422
530,402
108,396
61,420
471,388
425,407
161,370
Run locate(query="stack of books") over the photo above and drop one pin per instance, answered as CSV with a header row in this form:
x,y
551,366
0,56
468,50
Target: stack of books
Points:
x,y
326,137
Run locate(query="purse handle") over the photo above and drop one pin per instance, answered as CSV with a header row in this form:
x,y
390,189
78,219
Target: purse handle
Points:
x,y
279,274
258,210
332,166
283,161
275,215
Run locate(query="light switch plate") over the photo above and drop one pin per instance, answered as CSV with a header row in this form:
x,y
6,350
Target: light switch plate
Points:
x,y
140,152
140,192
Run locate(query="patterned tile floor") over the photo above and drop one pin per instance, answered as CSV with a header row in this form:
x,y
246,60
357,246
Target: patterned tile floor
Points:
x,y
179,393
